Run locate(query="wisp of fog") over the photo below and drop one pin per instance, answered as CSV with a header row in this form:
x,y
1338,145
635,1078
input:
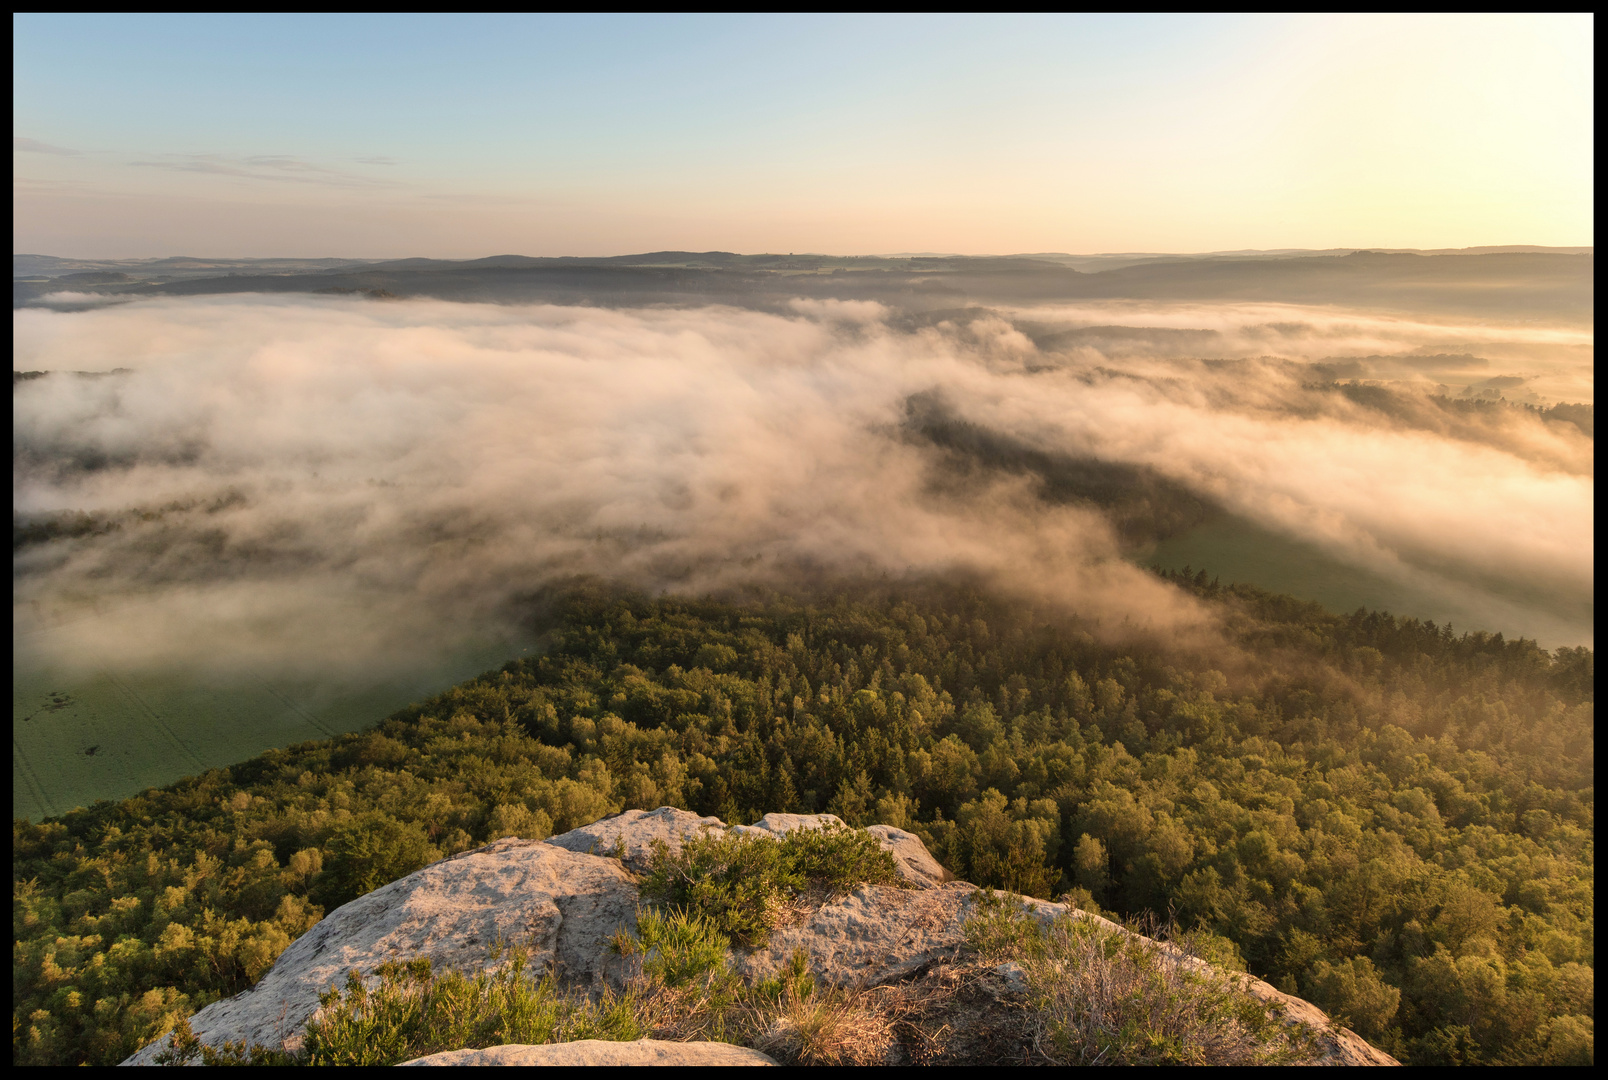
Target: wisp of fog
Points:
x,y
312,483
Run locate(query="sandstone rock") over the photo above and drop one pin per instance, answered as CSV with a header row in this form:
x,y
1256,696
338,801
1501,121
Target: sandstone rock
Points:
x,y
916,864
563,906
1047,912
782,824
598,1052
1014,977
878,934
875,935
634,831
1336,1045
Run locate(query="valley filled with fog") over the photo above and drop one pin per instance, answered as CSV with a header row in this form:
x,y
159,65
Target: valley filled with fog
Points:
x,y
332,495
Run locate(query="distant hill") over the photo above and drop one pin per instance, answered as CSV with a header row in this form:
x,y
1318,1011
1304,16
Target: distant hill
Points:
x,y
1556,284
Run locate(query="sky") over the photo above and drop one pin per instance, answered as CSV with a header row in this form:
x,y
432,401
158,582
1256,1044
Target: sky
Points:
x,y
465,136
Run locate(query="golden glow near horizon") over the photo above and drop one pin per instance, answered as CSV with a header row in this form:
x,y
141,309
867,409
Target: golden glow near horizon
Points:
x,y
841,135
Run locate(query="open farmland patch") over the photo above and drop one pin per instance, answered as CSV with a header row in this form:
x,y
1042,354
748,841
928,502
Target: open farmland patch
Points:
x,y
1234,549
81,737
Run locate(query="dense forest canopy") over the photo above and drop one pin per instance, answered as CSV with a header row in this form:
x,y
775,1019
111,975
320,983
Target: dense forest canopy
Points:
x,y
1391,819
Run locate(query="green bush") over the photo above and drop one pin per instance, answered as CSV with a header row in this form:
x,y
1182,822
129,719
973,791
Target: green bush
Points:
x,y
371,851
738,882
838,857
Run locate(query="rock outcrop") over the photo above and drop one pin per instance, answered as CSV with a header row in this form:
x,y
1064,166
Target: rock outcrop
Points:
x,y
566,897
633,833
561,905
598,1052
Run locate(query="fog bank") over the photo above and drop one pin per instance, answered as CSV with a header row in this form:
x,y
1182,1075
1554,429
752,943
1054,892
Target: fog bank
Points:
x,y
315,483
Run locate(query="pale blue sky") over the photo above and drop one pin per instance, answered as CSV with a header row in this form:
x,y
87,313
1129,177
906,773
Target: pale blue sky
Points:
x,y
469,135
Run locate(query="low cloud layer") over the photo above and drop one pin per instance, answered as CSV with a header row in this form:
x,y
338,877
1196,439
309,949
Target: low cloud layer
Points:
x,y
325,482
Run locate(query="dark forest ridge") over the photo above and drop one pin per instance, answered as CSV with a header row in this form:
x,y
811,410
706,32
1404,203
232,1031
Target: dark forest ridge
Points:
x,y
1554,283
25,266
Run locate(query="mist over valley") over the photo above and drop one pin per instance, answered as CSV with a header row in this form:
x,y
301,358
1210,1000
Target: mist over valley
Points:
x,y
335,491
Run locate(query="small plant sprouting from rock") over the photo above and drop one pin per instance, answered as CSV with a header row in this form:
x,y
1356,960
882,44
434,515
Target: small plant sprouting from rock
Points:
x,y
1104,996
737,882
740,882
680,947
686,989
720,889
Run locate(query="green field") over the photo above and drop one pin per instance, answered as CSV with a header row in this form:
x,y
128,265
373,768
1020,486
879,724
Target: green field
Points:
x,y
1237,550
108,735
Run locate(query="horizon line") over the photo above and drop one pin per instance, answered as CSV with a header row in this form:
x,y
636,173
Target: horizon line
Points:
x,y
1475,248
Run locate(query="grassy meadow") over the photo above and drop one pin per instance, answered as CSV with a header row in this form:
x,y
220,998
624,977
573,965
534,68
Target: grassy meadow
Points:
x,y
79,737
1237,550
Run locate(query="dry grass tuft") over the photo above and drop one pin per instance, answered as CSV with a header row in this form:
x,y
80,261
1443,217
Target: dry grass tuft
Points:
x,y
1107,996
832,1028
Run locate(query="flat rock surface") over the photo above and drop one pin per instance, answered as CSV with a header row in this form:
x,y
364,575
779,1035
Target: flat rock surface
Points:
x,y
634,832
563,906
874,935
598,1052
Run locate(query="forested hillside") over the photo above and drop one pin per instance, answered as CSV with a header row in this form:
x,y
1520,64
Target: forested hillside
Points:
x,y
1390,819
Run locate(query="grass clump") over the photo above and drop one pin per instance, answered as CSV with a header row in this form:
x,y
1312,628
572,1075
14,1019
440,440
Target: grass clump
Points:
x,y
414,1011
797,1022
681,947
688,990
740,882
1108,996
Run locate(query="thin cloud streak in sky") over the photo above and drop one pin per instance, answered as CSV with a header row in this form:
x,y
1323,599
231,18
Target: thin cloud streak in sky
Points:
x,y
279,168
34,146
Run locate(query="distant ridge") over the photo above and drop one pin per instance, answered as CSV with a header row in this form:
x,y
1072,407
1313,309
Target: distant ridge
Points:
x,y
25,265
1508,282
